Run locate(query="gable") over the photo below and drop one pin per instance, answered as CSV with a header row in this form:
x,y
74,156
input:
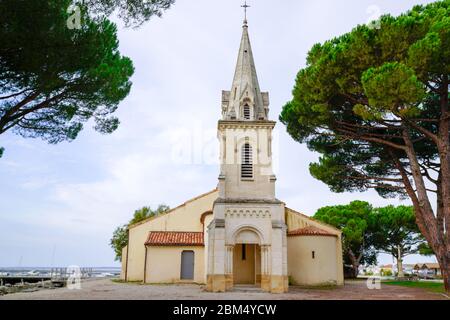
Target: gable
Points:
x,y
297,221
185,217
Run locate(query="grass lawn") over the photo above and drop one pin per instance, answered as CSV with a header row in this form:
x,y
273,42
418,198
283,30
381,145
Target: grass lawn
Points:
x,y
428,285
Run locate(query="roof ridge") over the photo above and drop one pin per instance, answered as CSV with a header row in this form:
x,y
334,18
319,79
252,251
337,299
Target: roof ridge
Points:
x,y
314,220
168,231
171,210
310,231
175,238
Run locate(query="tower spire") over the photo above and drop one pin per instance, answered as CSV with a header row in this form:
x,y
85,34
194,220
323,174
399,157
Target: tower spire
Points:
x,y
245,101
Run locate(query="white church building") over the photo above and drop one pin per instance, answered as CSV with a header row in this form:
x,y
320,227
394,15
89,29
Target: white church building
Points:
x,y
238,233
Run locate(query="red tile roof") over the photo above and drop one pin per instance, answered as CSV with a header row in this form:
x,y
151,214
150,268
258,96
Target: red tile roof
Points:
x,y
430,265
174,238
310,231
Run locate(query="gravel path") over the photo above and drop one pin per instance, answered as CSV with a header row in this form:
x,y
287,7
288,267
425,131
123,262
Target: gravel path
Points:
x,y
109,290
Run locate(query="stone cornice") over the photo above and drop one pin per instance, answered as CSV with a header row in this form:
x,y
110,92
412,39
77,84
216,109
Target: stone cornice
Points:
x,y
247,201
237,124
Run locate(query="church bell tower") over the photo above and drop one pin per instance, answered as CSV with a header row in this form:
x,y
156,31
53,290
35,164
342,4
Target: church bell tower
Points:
x,y
247,236
245,133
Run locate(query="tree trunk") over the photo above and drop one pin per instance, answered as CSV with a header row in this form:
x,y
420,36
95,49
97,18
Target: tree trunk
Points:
x,y
446,277
399,263
355,270
443,254
444,264
426,219
355,262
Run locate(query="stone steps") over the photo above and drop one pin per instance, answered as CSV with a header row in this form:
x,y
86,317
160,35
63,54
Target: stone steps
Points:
x,y
247,288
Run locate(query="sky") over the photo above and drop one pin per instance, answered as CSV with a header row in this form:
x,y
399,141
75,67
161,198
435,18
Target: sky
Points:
x,y
59,204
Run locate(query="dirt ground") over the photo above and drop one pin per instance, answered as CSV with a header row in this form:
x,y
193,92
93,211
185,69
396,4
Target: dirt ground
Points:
x,y
106,289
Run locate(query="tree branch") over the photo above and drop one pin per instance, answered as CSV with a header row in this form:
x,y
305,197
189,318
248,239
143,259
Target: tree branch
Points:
x,y
14,94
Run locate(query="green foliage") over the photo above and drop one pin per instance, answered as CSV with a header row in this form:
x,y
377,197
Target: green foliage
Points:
x,y
132,12
360,90
147,212
425,250
396,228
366,231
354,220
119,239
393,88
386,273
54,79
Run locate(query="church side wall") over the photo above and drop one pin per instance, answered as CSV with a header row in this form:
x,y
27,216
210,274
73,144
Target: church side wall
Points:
x,y
303,269
123,263
183,218
164,264
207,221
295,220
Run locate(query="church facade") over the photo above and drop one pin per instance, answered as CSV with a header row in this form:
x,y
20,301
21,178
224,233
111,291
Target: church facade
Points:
x,y
238,233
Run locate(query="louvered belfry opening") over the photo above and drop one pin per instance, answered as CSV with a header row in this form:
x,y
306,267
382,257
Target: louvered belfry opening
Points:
x,y
247,162
246,112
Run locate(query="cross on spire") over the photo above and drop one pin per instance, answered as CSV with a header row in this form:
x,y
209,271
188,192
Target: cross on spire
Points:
x,y
245,6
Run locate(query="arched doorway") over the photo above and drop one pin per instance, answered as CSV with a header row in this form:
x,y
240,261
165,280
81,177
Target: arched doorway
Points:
x,y
247,257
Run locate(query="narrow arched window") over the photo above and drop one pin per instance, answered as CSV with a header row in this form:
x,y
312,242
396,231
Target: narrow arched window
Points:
x,y
247,162
246,112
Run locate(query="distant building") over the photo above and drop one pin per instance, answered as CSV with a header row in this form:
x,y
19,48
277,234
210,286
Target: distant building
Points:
x,y
427,270
379,270
386,270
407,268
420,269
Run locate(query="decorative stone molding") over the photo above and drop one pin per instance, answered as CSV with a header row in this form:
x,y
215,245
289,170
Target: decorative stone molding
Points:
x,y
224,124
248,213
278,224
233,234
